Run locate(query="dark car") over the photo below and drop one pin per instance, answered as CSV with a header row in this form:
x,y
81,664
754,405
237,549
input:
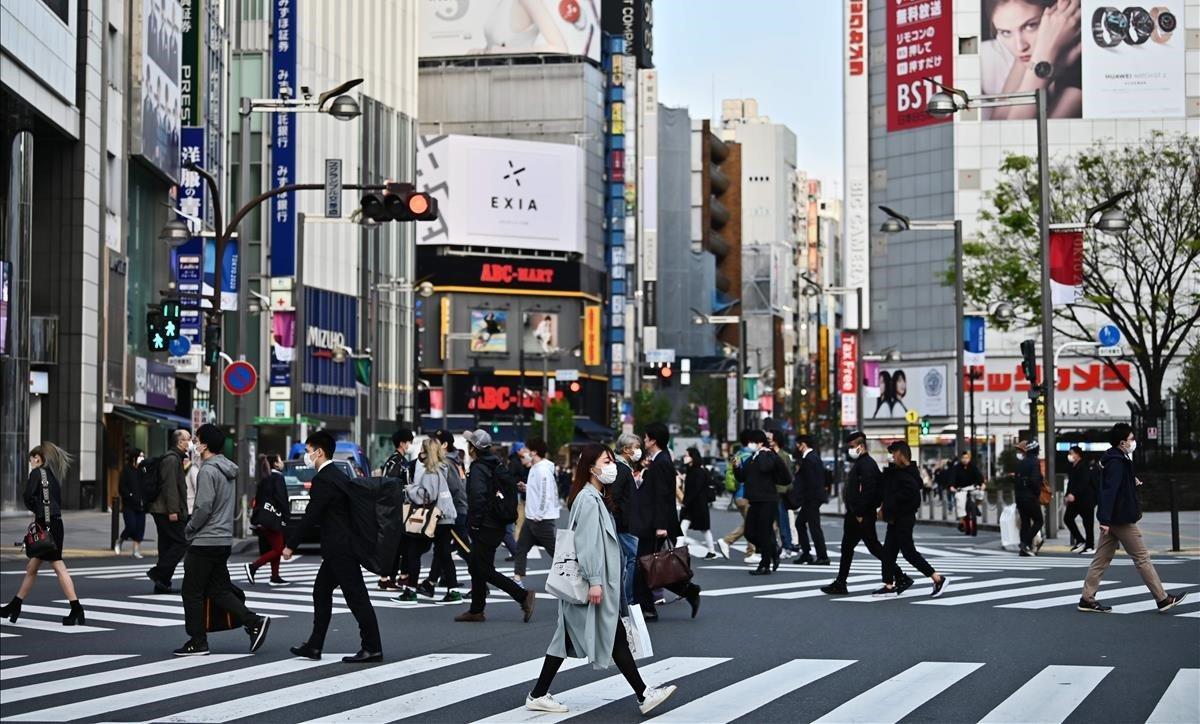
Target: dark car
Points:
x,y
298,478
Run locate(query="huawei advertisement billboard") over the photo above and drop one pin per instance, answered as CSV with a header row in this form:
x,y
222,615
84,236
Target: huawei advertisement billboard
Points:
x,y
450,28
503,194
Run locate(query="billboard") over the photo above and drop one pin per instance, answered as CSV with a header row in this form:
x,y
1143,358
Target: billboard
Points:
x,y
632,20
331,321
489,331
892,390
451,28
539,332
503,194
857,133
920,45
157,136
1096,60
283,140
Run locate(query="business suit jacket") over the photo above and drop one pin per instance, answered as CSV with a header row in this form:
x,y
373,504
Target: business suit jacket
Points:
x,y
654,501
623,496
812,479
328,508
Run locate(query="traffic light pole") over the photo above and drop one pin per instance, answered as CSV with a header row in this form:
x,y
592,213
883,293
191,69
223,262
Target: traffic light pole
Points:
x,y
1048,372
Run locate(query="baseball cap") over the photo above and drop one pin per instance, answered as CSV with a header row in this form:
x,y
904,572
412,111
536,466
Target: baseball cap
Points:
x,y
479,439
444,436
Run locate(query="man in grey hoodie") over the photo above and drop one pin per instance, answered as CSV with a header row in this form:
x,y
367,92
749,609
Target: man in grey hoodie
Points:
x,y
209,533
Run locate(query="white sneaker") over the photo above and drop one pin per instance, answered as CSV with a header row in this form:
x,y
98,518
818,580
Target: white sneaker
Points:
x,y
117,549
786,554
1087,551
723,546
653,696
137,554
545,703
753,560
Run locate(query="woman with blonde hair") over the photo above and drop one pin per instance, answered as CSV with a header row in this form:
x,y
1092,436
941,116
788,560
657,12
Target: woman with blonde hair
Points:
x,y
48,465
430,487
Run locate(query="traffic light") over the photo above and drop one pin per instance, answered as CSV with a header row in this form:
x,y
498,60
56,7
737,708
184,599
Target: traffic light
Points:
x,y
665,375
925,425
156,336
172,314
399,202
575,387
212,344
1029,361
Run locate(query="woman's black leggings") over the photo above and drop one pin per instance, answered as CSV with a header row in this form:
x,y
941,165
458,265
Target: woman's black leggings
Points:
x,y
622,657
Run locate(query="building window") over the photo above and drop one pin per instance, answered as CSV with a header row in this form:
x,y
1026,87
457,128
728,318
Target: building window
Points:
x,y
59,8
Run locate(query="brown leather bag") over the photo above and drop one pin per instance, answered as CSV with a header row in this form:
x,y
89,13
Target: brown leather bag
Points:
x,y
1045,496
666,566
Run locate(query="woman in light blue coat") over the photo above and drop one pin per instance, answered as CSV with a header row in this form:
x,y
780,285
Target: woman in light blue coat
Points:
x,y
593,630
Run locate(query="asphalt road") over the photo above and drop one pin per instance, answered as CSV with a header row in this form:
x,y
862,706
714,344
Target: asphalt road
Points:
x,y
1004,644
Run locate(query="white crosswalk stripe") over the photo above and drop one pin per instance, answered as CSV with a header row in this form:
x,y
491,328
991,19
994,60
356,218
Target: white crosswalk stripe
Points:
x,y
1180,703
954,585
105,616
56,626
71,662
1072,599
131,673
1050,696
953,600
897,697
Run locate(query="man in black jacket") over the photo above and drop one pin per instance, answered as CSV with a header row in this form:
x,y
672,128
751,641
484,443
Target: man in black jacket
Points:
x,y
761,473
810,478
1081,502
1118,513
399,468
629,452
487,529
329,508
900,491
169,509
862,496
653,518
1028,489
965,478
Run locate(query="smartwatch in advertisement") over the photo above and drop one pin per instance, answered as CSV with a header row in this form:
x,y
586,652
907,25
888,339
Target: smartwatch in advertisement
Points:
x,y
1141,25
1164,24
1042,69
1109,26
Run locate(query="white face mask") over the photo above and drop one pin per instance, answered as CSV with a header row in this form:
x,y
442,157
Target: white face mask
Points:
x,y
891,458
754,446
191,448
141,459
1020,456
637,454
1131,446
308,460
855,453
608,474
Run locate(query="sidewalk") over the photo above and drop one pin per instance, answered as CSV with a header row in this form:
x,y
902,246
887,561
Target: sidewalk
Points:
x,y
88,534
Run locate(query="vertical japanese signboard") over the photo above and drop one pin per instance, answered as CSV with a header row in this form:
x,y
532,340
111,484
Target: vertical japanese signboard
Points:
x,y
848,376
191,185
920,45
283,150
857,133
189,69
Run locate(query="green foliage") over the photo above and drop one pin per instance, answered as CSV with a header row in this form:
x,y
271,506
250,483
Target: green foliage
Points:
x,y
710,390
650,406
561,423
1188,388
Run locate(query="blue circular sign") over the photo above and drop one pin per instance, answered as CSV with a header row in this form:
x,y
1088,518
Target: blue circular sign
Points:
x,y
240,378
179,347
1109,335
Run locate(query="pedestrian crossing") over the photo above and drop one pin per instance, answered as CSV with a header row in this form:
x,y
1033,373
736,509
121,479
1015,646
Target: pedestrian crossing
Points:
x,y
487,688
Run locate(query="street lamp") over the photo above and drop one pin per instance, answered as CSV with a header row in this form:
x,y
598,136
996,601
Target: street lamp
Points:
x,y
175,233
897,222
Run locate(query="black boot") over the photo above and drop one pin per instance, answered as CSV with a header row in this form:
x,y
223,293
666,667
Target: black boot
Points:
x,y
75,617
11,610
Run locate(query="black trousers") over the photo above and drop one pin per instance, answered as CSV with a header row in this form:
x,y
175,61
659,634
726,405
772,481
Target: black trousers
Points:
x,y
1031,519
534,532
852,533
760,528
171,547
484,542
899,539
1088,513
641,591
809,516
342,571
441,570
206,575
621,655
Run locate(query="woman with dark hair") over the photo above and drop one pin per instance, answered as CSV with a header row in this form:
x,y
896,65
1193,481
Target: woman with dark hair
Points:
x,y
593,630
270,516
133,509
48,464
885,393
1033,44
695,499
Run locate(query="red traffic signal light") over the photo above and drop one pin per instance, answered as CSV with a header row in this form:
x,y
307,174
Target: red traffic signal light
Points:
x,y
575,387
399,202
666,372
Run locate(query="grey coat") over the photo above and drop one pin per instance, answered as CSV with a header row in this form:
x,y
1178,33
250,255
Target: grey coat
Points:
x,y
592,629
429,487
211,523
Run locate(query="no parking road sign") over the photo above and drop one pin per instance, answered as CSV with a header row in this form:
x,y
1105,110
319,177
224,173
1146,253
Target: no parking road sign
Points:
x,y
240,378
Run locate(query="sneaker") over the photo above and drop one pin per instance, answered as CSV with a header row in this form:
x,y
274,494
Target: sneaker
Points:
x,y
425,589
452,597
1170,602
1025,552
1087,552
258,632
408,596
837,588
1092,607
545,703
884,592
117,548
709,556
1075,548
903,584
137,554
193,648
468,617
276,581
753,560
786,554
653,696
249,570
940,587
724,547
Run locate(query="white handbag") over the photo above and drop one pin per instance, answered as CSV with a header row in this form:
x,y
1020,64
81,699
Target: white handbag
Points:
x,y
636,633
564,581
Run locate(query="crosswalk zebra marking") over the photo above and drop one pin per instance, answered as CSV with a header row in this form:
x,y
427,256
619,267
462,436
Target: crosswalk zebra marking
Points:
x,y
321,688
105,616
140,697
778,586
1180,702
1072,599
113,676
56,627
1192,614
955,585
953,600
71,662
592,696
792,595
900,695
1050,696
4,635
1149,604
433,698
128,605
731,702
10,657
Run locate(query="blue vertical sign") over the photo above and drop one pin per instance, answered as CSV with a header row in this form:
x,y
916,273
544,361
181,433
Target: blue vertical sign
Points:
x,y
974,331
283,148
191,185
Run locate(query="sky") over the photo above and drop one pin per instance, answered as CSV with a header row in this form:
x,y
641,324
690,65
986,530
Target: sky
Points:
x,y
785,53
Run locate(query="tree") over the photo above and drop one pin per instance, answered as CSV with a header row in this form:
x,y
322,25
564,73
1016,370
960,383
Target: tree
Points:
x,y
1146,282
710,391
561,424
1188,388
650,406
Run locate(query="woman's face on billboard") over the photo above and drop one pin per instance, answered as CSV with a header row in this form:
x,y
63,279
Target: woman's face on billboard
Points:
x,y
1016,24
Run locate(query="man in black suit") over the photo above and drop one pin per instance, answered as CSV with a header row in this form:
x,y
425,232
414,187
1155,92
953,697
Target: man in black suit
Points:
x,y
653,519
329,508
810,478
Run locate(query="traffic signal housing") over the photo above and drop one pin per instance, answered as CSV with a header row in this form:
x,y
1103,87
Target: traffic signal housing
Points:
x,y
1029,361
399,202
212,344
666,374
156,334
925,425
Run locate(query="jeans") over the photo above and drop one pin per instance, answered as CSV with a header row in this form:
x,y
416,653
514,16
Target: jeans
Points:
x,y
785,528
629,548
742,507
484,542
206,575
442,571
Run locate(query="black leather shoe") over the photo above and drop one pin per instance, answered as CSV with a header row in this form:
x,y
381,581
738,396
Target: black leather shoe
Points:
x,y
804,560
305,651
693,598
761,571
363,657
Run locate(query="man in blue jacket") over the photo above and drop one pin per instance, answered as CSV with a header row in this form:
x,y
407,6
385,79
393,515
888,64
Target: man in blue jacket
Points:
x,y
1118,514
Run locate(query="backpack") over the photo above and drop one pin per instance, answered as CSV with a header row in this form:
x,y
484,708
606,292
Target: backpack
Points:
x,y
376,515
149,475
504,509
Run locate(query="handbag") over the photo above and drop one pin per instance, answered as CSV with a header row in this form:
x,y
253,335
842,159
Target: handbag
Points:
x,y
219,619
564,581
421,519
38,540
666,566
1045,495
636,633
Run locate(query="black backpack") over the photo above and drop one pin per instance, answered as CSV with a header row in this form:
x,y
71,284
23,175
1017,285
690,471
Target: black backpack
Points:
x,y
376,515
504,509
149,475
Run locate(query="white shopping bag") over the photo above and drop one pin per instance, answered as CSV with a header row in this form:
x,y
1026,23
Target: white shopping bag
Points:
x,y
1010,528
637,634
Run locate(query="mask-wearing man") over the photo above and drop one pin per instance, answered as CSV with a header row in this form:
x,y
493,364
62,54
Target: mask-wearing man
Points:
x,y
810,477
629,452
168,506
1028,490
900,493
1081,502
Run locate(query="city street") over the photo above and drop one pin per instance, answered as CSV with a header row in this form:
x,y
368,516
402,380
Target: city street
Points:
x,y
1004,643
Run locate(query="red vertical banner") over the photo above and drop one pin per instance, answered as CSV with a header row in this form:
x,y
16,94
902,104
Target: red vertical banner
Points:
x,y
848,376
1066,267
920,45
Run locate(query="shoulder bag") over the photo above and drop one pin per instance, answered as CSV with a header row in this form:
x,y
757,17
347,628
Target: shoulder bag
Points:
x,y
666,566
564,581
38,541
422,519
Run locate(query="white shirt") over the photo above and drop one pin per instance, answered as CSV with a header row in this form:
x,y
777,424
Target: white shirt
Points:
x,y
541,492
322,465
